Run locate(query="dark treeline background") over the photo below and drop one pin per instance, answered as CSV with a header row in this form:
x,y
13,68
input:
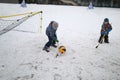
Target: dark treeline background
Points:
x,y
97,3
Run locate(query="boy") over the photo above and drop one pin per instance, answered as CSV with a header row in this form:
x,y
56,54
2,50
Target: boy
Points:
x,y
52,37
106,28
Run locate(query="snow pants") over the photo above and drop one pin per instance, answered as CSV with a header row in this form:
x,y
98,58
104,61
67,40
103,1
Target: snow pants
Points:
x,y
105,38
50,42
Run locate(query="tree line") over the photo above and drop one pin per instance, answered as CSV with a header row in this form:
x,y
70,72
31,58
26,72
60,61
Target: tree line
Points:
x,y
97,3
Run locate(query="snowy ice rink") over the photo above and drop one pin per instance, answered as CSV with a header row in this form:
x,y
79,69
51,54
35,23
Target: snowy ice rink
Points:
x,y
22,58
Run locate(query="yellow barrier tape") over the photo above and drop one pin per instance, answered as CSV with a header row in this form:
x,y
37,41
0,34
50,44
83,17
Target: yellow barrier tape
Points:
x,y
20,14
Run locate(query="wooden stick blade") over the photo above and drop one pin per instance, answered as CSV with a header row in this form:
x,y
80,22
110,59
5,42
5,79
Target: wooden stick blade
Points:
x,y
96,46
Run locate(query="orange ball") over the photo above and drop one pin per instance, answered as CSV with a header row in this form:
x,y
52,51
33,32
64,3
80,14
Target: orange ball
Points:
x,y
62,49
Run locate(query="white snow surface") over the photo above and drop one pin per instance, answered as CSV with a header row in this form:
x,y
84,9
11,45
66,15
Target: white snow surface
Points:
x,y
22,57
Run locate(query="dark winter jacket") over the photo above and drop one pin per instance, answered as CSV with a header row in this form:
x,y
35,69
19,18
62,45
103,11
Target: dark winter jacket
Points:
x,y
51,30
106,28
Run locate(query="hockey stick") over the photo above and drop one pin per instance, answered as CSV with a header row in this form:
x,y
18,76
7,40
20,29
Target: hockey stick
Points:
x,y
57,49
100,41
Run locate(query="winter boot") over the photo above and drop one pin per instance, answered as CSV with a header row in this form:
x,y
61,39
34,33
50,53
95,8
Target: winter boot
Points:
x,y
53,45
46,49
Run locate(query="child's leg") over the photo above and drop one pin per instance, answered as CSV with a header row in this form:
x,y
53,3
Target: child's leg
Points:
x,y
53,44
106,39
48,44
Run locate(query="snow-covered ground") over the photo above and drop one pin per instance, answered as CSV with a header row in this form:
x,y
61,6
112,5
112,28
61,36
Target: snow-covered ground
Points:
x,y
22,58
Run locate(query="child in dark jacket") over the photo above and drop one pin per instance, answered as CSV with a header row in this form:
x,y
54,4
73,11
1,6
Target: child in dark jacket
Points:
x,y
106,28
52,37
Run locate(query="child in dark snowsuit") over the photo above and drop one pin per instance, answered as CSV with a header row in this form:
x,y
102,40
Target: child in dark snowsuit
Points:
x,y
51,33
106,28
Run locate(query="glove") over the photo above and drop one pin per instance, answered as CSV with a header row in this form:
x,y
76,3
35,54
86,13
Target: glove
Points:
x,y
108,30
56,40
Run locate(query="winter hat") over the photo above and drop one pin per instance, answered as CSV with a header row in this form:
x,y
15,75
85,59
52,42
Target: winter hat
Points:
x,y
54,25
106,20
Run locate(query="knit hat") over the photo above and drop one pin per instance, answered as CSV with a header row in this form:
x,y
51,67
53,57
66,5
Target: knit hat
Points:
x,y
54,25
106,20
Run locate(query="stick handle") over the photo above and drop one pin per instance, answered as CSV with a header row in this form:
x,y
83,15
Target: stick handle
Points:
x,y
100,41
